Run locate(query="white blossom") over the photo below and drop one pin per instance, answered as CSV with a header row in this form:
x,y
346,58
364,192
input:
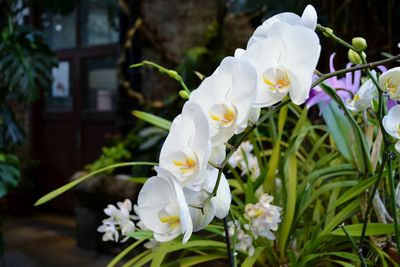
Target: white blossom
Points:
x,y
163,208
186,151
308,20
119,219
226,98
389,81
391,123
110,231
264,217
362,99
285,62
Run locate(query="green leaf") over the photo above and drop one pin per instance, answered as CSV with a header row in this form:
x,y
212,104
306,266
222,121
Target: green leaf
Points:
x,y
159,254
356,190
323,189
74,183
339,127
152,119
291,188
175,246
191,261
342,215
145,234
372,229
250,260
344,264
124,253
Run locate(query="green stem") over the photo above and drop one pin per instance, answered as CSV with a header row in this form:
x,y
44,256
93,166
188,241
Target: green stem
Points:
x,y
171,73
369,205
329,33
358,251
351,69
228,243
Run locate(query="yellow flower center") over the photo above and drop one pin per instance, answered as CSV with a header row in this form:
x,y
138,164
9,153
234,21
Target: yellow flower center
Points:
x,y
223,114
173,221
187,165
277,79
392,86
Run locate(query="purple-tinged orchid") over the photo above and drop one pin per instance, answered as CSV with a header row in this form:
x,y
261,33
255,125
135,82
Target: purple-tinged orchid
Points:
x,y
345,87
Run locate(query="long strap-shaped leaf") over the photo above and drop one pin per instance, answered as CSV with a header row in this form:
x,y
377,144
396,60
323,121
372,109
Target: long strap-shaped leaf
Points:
x,y
74,183
152,119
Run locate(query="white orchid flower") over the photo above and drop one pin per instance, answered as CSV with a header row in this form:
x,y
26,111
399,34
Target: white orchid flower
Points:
x,y
226,98
362,99
186,151
391,123
389,81
308,19
285,63
163,208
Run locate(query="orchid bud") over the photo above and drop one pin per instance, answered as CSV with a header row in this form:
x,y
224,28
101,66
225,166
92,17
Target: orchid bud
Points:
x,y
327,32
354,57
359,43
184,94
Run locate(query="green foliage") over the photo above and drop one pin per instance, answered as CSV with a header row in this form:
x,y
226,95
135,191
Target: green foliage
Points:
x,y
75,182
9,173
25,62
109,156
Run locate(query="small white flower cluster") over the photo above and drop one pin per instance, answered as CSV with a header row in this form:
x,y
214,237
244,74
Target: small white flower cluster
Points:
x,y
119,220
264,217
244,242
121,223
279,59
244,159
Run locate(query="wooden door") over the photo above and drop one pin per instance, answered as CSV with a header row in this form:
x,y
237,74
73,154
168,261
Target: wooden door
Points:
x,y
77,115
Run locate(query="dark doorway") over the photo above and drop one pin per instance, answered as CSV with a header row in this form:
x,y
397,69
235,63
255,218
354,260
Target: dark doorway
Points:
x,y
77,115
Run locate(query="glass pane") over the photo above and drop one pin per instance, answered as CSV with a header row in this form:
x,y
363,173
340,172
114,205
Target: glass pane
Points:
x,y
100,84
100,23
59,31
59,99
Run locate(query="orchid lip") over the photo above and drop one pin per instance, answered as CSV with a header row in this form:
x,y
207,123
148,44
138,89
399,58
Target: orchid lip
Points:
x,y
277,79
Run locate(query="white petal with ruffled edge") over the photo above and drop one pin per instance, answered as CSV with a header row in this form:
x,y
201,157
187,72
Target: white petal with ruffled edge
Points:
x,y
187,148
226,97
163,208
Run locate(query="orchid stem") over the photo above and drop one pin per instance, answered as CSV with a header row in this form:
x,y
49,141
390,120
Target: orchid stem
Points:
x,y
228,243
357,250
171,73
357,67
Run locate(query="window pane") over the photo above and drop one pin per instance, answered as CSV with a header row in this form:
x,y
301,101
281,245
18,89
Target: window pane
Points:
x,y
59,31
99,22
100,84
59,99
